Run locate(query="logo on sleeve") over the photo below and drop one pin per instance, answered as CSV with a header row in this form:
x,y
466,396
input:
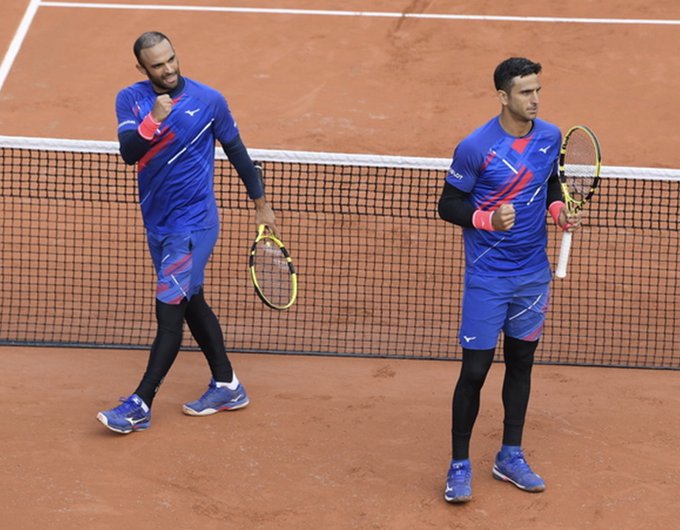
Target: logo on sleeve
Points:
x,y
455,174
127,122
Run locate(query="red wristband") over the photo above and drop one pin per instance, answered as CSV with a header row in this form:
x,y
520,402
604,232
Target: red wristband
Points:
x,y
555,208
481,220
148,127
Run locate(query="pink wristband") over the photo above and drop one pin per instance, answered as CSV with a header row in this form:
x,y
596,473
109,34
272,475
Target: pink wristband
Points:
x,y
555,208
148,127
481,220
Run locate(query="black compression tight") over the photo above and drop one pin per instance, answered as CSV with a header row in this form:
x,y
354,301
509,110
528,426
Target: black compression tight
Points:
x,y
518,356
204,327
519,360
170,318
476,364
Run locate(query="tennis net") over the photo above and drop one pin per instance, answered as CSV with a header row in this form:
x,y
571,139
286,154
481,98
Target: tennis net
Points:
x,y
380,274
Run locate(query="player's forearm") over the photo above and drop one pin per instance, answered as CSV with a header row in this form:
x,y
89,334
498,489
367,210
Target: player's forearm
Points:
x,y
261,203
238,156
454,206
555,202
554,191
132,146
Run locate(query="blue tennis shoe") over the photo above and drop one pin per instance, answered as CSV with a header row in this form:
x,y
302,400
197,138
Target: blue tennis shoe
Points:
x,y
512,467
131,415
216,399
459,482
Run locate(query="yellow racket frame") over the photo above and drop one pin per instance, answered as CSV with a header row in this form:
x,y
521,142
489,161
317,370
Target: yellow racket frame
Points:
x,y
263,232
572,204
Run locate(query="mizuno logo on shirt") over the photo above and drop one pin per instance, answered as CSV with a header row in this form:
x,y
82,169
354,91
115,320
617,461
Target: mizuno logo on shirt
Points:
x,y
191,112
468,339
544,150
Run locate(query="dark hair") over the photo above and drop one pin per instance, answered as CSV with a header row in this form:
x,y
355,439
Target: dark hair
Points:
x,y
147,40
511,68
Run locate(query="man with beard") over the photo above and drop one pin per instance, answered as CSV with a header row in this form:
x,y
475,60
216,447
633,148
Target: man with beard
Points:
x,y
168,125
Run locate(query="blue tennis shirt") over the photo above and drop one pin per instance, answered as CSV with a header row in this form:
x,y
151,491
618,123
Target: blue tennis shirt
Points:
x,y
495,168
175,176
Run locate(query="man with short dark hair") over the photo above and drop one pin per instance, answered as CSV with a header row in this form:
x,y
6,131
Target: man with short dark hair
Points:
x,y
502,179
168,125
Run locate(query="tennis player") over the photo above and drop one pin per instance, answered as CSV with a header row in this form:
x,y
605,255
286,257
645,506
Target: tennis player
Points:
x,y
502,179
168,125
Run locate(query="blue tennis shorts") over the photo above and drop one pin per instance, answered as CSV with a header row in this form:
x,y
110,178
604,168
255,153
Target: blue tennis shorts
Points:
x,y
180,261
515,305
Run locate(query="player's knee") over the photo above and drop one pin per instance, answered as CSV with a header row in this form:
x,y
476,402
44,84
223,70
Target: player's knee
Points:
x,y
170,317
476,364
519,354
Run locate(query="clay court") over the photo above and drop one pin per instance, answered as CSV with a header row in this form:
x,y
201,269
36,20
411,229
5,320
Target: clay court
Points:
x,y
341,442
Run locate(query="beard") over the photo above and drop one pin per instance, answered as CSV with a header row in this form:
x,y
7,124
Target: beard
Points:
x,y
165,82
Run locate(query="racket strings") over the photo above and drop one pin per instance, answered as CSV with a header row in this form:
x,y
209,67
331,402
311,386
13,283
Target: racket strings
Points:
x,y
580,165
272,273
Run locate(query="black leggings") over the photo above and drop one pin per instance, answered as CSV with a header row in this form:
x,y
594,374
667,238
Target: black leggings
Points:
x,y
207,332
519,359
204,327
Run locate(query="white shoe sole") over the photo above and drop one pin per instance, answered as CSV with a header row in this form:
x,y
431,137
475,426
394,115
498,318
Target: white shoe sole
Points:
x,y
207,412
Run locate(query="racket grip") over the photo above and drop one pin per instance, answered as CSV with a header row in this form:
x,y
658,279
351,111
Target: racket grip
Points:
x,y
565,247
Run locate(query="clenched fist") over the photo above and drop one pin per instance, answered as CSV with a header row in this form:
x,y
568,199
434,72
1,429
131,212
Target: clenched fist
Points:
x,y
504,217
161,108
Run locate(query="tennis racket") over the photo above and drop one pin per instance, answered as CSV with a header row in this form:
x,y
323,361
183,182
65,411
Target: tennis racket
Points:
x,y
272,271
579,173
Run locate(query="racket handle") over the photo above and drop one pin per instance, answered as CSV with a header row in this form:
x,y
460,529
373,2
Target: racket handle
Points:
x,y
565,247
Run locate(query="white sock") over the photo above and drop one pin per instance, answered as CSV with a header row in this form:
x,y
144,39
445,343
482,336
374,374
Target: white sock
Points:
x,y
145,407
231,386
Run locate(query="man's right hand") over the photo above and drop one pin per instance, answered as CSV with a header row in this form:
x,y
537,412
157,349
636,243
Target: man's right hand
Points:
x,y
504,217
264,215
162,107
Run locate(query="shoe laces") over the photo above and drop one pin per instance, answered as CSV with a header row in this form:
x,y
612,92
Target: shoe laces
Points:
x,y
518,463
212,389
126,406
459,473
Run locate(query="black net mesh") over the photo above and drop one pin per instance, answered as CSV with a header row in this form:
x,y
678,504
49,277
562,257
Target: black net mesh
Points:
x,y
379,273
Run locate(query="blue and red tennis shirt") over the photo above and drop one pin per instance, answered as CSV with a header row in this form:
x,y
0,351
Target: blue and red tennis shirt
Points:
x,y
495,167
175,176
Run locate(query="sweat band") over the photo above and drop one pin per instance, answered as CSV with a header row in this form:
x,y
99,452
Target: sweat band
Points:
x,y
148,127
555,208
481,220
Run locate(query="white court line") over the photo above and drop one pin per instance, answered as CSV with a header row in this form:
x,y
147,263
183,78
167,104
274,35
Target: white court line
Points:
x,y
378,14
20,35
17,41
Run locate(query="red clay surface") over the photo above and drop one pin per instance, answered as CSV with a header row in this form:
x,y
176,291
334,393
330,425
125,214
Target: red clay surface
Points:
x,y
327,443
338,442
368,85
